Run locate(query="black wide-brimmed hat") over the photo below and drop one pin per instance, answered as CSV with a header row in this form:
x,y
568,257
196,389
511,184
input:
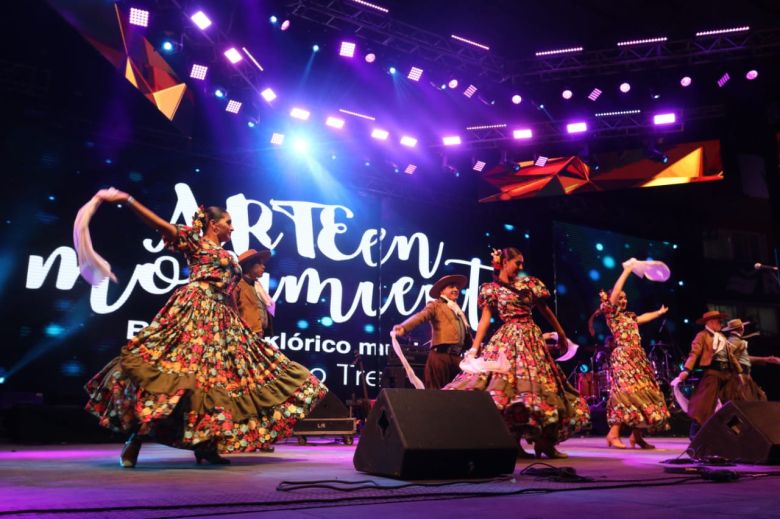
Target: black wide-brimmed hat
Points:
x,y
453,279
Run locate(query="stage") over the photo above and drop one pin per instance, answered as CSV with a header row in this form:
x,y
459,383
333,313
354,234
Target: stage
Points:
x,y
86,481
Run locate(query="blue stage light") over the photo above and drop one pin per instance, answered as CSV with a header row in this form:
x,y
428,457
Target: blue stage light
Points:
x,y
608,262
594,275
599,247
167,46
326,321
302,324
273,19
369,328
509,227
315,48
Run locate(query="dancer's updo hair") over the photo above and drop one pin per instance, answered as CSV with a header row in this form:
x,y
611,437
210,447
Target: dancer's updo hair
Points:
x,y
204,215
499,257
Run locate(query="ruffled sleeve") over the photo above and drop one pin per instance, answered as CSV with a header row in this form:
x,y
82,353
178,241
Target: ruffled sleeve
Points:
x,y
488,295
186,240
607,308
535,286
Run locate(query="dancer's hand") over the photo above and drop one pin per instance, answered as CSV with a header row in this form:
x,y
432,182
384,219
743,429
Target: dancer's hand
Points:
x,y
773,360
629,263
663,310
112,195
399,330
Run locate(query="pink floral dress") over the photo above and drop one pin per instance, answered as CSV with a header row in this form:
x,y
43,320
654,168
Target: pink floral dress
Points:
x,y
198,374
533,394
634,396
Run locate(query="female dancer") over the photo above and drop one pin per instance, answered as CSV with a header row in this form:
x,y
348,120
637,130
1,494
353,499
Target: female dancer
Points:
x,y
634,396
537,402
196,377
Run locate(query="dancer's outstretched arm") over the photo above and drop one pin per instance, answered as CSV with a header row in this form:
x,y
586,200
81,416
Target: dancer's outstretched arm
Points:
x,y
550,317
613,296
149,217
482,327
649,316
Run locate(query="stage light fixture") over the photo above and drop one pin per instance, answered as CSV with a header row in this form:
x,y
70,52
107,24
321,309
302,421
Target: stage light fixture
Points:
x,y
578,127
452,83
666,118
479,166
411,168
357,114
723,31
252,59
522,133
686,81
541,161
300,145
201,20
415,74
220,93
372,6
285,25
516,99
486,126
347,49
594,94
723,80
392,71
277,139
451,140
168,46
139,17
315,48
273,19
409,142
334,122
470,91
299,113
233,55
198,72
567,94
659,39
251,124
370,57
568,50
268,94
469,42
625,87
233,106
621,112
751,75
380,134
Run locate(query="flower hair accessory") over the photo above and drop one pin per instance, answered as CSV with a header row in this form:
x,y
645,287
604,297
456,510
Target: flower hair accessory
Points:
x,y
199,219
495,259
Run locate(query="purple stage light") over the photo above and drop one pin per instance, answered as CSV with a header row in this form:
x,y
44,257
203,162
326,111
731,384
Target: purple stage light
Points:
x,y
453,83
233,106
233,55
370,57
410,142
479,166
357,114
451,140
285,25
334,122
268,94
415,74
522,133
299,113
347,49
470,91
668,118
594,94
198,71
469,42
411,168
642,42
568,50
577,127
567,94
625,87
486,126
621,112
723,31
516,99
723,79
372,6
541,161
252,59
139,17
200,20
277,139
751,75
380,134
686,81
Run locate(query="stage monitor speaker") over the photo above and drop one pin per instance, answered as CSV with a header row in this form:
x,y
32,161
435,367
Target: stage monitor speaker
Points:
x,y
747,432
435,434
330,407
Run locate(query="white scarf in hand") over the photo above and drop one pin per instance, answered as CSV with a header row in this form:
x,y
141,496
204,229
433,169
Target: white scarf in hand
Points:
x,y
719,340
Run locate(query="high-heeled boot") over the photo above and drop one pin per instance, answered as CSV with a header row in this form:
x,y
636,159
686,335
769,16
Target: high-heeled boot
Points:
x,y
208,453
637,439
129,456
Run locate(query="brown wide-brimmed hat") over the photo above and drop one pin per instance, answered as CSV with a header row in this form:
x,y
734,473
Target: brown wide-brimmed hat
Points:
x,y
253,256
712,314
443,282
735,324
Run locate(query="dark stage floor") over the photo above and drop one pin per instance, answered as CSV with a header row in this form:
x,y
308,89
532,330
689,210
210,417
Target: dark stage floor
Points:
x,y
86,481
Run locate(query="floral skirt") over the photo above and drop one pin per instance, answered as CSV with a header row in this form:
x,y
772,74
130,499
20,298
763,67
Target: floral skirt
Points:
x,y
635,400
198,375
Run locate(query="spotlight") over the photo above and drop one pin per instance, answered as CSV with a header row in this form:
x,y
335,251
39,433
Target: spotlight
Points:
x,y
201,20
299,113
370,57
315,48
411,168
233,55
300,145
415,74
594,94
268,94
198,72
577,127
139,17
347,49
410,142
668,118
277,139
515,167
380,134
686,81
220,93
470,91
567,94
516,99
523,133
273,19
233,106
392,70
625,87
751,75
479,166
251,124
453,83
541,161
285,25
451,140
334,122
167,46
723,80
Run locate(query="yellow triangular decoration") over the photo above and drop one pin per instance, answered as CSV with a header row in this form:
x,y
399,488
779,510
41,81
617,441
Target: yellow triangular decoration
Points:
x,y
681,172
168,99
129,74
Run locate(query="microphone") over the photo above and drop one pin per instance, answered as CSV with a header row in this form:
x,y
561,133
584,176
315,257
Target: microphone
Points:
x,y
661,328
760,266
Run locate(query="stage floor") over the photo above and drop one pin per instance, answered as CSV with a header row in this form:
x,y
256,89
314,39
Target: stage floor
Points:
x,y
86,481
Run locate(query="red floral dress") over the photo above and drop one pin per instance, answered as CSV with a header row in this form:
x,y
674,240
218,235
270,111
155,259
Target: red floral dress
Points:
x,y
634,396
198,374
533,394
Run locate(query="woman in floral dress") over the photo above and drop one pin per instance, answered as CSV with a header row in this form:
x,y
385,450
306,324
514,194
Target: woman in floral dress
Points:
x,y
635,400
197,377
521,376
